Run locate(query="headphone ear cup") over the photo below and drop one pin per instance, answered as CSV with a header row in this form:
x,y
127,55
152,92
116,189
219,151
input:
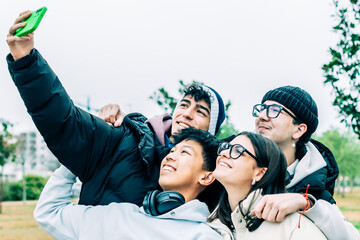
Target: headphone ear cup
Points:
x,y
168,200
153,203
149,204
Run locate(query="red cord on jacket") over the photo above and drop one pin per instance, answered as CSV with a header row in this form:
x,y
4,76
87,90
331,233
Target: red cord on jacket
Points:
x,y
307,203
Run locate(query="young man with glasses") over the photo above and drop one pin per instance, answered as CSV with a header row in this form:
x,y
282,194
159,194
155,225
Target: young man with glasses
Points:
x,y
288,115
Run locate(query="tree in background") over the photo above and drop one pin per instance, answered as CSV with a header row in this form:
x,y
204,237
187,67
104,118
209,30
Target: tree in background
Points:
x,y
343,70
7,151
346,149
168,103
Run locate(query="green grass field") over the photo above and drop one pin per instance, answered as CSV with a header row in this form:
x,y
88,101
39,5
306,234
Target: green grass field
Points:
x,y
17,222
350,207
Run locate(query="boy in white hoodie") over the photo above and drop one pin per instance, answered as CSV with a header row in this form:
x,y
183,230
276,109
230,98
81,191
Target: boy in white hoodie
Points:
x,y
174,213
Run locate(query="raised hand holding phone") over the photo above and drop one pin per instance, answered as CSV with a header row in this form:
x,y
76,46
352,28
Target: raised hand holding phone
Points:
x,y
31,23
20,46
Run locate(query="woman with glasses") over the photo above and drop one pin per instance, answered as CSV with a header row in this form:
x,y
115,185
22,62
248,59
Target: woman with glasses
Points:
x,y
249,167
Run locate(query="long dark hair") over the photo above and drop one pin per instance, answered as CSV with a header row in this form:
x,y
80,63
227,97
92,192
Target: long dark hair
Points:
x,y
269,155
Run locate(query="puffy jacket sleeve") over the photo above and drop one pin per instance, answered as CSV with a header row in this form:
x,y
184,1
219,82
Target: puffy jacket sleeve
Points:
x,y
328,218
78,139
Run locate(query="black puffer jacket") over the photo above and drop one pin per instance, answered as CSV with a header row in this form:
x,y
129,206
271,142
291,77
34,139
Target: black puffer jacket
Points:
x,y
114,164
322,182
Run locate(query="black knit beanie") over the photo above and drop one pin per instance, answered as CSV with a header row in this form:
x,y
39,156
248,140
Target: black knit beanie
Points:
x,y
299,102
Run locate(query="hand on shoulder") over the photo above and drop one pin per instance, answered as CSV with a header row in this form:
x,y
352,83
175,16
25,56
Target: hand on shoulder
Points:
x,y
112,114
274,207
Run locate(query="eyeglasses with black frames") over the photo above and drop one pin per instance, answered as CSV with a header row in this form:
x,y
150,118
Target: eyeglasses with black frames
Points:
x,y
272,111
235,151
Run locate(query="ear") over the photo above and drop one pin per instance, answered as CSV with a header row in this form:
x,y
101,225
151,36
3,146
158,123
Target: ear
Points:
x,y
299,131
260,173
206,178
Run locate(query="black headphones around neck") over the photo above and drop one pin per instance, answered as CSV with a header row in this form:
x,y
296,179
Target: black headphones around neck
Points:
x,y
156,203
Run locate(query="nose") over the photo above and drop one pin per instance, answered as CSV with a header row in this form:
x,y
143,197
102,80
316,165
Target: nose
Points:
x,y
170,156
188,113
263,116
225,153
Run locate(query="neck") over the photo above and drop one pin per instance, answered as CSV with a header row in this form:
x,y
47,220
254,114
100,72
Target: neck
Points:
x,y
289,152
188,193
235,195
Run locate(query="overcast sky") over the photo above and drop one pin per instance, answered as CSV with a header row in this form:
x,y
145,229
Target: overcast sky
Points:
x,y
122,51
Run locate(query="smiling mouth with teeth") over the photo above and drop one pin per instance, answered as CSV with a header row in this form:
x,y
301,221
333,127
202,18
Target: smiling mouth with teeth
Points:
x,y
223,164
183,125
168,168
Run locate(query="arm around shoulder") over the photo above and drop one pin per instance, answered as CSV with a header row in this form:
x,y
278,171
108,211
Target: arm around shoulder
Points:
x,y
329,219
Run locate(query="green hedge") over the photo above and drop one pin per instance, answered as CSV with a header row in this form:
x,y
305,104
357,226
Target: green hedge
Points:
x,y
34,185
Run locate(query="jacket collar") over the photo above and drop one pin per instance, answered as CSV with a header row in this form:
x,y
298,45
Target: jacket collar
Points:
x,y
237,217
194,210
245,207
310,163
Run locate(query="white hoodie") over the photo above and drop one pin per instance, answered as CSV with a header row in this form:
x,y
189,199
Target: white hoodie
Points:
x,y
65,220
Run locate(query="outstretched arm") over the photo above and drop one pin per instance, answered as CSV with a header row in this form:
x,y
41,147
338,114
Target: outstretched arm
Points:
x,y
328,217
81,141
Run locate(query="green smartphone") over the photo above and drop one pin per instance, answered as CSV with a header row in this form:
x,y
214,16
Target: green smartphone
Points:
x,y
31,23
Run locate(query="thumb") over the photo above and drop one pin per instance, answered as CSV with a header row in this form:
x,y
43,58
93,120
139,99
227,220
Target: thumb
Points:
x,y
119,121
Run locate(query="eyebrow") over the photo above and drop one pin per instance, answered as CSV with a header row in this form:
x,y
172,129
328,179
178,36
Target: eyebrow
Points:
x,y
197,105
189,147
204,108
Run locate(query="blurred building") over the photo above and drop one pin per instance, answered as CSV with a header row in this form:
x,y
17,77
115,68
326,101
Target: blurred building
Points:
x,y
32,157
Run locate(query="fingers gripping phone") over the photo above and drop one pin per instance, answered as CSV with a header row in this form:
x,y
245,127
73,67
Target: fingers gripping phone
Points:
x,y
31,23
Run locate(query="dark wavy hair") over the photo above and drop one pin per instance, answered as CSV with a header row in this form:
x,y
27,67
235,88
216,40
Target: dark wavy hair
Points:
x,y
210,195
269,155
198,93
